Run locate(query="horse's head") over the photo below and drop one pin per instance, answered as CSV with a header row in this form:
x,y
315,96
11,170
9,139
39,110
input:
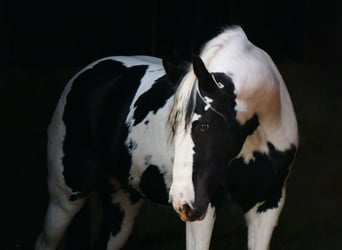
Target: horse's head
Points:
x,y
206,135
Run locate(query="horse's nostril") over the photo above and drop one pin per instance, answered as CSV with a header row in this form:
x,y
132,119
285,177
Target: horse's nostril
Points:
x,y
188,211
186,207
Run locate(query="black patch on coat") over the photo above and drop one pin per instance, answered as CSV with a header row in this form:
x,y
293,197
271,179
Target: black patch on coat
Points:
x,y
153,99
153,186
94,117
134,196
261,180
251,125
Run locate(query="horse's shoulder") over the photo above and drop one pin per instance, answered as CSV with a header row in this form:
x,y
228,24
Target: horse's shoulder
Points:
x,y
264,172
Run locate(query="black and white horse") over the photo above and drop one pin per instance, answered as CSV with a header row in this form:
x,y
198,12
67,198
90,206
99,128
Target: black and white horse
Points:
x,y
137,129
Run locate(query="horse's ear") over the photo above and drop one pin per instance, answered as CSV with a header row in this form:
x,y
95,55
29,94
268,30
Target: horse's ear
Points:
x,y
173,72
202,74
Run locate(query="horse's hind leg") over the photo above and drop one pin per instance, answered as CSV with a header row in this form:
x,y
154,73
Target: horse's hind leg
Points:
x,y
58,216
120,210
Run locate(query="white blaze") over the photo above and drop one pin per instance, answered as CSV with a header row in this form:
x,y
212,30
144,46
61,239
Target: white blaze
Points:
x,y
182,188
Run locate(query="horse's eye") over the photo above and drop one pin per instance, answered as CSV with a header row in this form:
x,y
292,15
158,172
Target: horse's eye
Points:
x,y
203,127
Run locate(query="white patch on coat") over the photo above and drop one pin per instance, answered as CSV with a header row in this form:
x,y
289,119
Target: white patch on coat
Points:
x,y
149,138
255,142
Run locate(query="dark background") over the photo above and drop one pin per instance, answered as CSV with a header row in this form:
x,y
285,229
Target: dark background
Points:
x,y
43,43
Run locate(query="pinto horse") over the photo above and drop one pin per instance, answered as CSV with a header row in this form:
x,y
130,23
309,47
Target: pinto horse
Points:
x,y
136,128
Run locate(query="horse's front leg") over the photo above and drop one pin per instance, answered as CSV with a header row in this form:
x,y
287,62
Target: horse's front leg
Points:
x,y
198,233
261,225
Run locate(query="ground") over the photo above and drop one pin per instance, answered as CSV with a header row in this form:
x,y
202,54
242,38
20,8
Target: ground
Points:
x,y
310,220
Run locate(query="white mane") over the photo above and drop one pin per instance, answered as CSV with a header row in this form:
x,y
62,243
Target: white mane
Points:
x,y
185,94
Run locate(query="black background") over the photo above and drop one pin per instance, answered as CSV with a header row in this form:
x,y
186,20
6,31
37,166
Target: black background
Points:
x,y
43,43
61,33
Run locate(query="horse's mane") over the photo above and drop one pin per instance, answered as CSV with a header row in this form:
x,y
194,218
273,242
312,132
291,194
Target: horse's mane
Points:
x,y
185,97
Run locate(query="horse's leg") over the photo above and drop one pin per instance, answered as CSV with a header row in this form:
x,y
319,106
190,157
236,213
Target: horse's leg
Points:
x,y
119,215
261,225
198,233
58,216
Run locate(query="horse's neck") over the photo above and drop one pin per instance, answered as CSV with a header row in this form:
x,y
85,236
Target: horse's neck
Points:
x,y
277,122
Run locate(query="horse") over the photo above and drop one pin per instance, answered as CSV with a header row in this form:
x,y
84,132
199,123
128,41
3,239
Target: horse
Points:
x,y
139,128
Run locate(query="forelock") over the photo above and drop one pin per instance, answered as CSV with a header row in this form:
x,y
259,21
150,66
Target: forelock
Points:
x,y
184,103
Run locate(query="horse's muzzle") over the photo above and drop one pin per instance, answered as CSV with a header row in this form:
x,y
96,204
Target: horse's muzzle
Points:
x,y
186,213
